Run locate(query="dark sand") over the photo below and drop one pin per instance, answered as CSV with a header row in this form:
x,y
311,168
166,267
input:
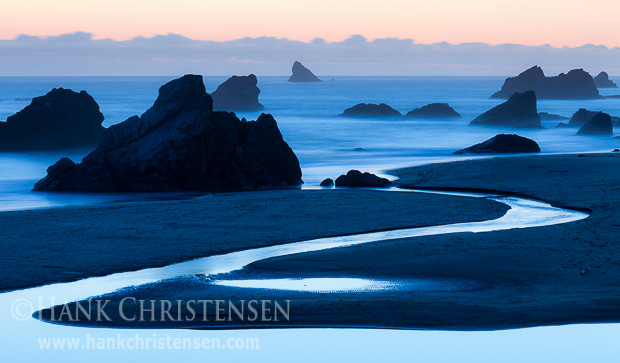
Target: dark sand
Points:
x,y
514,278
66,244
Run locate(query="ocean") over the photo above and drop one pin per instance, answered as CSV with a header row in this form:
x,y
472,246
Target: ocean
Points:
x,y
307,116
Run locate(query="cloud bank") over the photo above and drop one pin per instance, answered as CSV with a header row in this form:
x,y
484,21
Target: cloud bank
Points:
x,y
78,54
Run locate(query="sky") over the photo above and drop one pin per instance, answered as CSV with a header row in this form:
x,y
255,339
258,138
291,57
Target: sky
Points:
x,y
528,22
70,37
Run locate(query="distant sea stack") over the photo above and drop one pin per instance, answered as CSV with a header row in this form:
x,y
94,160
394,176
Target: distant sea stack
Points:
x,y
180,144
62,119
302,74
238,93
519,111
503,144
371,110
582,116
575,85
545,116
441,111
602,81
600,124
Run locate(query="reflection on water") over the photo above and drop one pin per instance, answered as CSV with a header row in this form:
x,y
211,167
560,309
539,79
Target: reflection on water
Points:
x,y
315,284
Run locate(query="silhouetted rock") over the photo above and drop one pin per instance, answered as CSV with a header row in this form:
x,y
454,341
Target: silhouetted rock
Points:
x,y
61,119
434,111
503,144
561,125
180,144
600,124
370,110
602,81
545,116
582,116
576,85
359,149
355,178
302,74
519,110
238,93
327,183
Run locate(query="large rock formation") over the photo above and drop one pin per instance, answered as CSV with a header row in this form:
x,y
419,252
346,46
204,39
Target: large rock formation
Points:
x,y
238,93
575,85
355,178
582,116
502,144
302,74
600,124
519,111
180,144
370,110
602,81
434,111
61,119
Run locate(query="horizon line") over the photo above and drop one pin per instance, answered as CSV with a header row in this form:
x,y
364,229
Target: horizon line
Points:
x,y
318,40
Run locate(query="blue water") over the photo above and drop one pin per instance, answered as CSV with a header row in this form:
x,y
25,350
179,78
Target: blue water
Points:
x,y
307,116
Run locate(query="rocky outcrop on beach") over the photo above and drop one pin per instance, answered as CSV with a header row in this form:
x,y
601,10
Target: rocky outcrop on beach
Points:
x,y
519,111
238,93
326,183
602,81
502,144
434,111
355,178
181,144
600,124
61,119
575,85
370,110
545,116
302,74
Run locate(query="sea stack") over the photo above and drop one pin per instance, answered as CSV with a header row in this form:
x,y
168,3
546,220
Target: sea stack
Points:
x,y
503,144
575,85
519,111
582,116
435,111
602,81
600,124
181,144
62,119
371,110
302,74
238,93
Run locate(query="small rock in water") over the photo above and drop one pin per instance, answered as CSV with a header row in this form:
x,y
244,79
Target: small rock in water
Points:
x,y
359,149
355,178
327,183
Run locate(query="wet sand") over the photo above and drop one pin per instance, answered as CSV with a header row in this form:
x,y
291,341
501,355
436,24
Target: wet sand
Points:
x,y
552,275
65,244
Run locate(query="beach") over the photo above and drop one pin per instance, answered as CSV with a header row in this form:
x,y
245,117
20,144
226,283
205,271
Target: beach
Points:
x,y
483,281
65,244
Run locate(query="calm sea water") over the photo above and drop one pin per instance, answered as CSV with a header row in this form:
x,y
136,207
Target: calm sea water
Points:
x,y
307,116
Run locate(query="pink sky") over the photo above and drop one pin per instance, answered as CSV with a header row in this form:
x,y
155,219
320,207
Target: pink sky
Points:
x,y
530,22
